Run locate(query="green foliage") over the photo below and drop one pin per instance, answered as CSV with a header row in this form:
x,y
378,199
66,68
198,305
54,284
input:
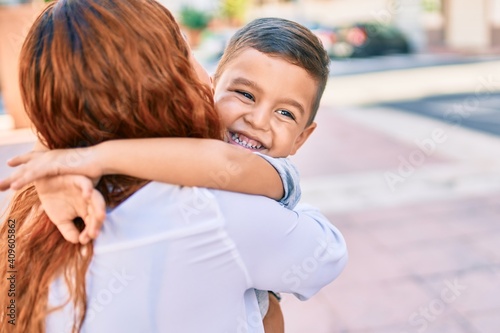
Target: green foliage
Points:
x,y
194,18
233,9
431,5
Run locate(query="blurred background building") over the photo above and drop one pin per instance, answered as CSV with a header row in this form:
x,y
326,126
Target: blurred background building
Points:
x,y
404,160
461,25
415,26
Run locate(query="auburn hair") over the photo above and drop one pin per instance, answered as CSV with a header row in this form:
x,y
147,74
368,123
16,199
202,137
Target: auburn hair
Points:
x,y
91,71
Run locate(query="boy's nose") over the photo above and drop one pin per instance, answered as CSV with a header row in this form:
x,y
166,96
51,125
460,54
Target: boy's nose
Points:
x,y
259,118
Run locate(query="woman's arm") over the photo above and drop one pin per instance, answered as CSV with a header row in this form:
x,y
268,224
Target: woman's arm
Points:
x,y
181,161
288,251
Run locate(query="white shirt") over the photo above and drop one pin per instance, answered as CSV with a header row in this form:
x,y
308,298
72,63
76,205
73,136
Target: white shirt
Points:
x,y
186,260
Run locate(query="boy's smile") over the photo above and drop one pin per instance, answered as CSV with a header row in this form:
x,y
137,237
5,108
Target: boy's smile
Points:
x,y
243,140
265,103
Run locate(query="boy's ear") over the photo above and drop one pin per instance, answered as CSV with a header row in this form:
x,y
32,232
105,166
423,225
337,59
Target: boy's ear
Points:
x,y
302,138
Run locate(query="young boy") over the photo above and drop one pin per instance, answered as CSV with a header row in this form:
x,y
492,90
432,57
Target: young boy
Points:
x,y
268,86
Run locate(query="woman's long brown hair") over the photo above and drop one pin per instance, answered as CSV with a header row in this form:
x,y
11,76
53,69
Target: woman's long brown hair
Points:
x,y
90,71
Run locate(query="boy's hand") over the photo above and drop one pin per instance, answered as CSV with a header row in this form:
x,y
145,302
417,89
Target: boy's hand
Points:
x,y
65,198
36,165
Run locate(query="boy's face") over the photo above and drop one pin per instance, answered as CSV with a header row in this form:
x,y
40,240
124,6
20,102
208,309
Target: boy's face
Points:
x,y
265,103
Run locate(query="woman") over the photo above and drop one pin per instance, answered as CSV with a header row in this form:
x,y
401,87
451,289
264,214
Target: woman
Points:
x,y
166,253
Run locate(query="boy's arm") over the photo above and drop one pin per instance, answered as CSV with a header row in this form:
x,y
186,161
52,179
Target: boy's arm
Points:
x,y
181,161
192,162
67,197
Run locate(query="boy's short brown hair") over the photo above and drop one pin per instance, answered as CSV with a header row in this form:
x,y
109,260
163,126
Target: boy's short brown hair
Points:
x,y
284,39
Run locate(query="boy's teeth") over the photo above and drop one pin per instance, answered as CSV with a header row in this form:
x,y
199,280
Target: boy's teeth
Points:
x,y
245,142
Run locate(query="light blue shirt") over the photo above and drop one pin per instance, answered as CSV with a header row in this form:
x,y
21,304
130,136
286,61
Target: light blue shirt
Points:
x,y
290,178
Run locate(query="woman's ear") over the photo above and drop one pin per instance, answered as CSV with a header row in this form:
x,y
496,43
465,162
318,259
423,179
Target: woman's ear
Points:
x,y
302,138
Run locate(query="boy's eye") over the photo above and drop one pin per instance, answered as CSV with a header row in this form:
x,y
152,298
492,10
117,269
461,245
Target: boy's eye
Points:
x,y
245,94
286,114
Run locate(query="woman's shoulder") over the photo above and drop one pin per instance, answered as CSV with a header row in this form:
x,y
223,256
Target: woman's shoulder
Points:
x,y
158,212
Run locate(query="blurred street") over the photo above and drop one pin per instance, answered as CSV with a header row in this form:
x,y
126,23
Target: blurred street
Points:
x,y
353,66
400,167
405,160
414,185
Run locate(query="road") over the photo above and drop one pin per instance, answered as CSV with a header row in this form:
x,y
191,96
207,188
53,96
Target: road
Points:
x,y
406,164
469,110
401,62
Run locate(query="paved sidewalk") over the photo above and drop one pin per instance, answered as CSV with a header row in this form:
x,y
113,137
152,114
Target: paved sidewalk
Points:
x,y
420,217
424,255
